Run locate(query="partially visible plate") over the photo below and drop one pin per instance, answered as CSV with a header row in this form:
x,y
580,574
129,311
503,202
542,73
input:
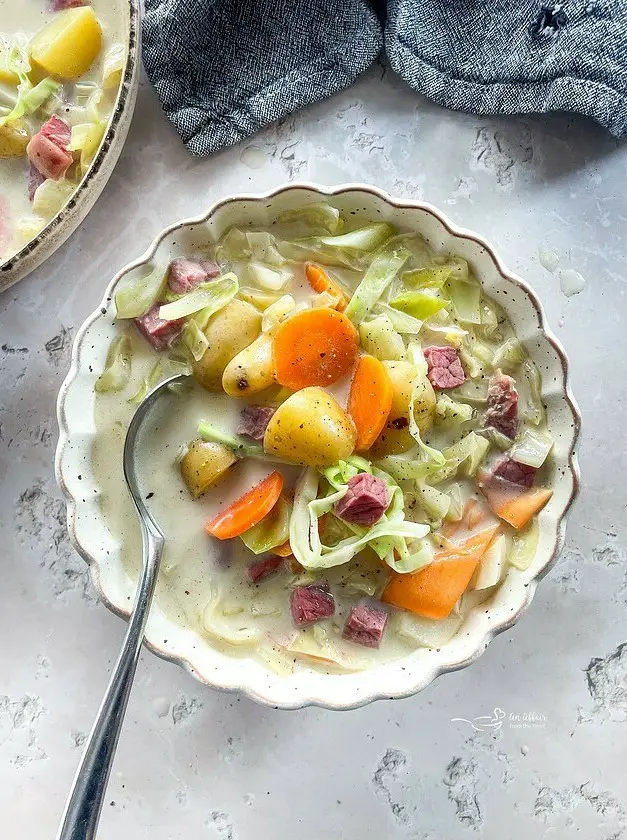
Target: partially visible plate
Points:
x,y
83,198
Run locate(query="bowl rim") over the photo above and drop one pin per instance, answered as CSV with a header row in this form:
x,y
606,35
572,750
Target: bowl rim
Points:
x,y
80,197
456,231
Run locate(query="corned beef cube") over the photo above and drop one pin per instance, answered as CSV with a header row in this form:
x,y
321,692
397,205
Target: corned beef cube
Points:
x,y
521,474
502,410
365,625
445,368
254,420
311,603
185,274
366,500
157,331
261,569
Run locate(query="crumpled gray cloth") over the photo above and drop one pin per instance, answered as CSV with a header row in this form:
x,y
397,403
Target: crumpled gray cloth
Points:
x,y
225,68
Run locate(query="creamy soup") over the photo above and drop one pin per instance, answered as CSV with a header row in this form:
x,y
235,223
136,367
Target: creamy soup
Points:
x,y
60,71
358,458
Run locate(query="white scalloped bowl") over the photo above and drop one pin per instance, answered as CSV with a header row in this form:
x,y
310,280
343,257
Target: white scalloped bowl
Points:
x,y
102,549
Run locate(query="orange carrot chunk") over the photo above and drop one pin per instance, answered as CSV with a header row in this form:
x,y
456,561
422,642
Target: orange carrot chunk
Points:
x,y
370,400
511,502
320,281
433,591
520,510
284,550
315,347
248,510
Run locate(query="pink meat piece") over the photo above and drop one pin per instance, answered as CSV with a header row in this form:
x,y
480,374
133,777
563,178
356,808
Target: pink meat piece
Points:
x,y
311,603
365,501
502,410
51,160
260,569
58,131
445,368
60,5
365,625
157,331
185,274
254,420
510,470
35,180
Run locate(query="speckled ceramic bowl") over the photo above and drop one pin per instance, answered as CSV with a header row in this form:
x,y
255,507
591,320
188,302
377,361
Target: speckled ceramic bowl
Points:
x,y
84,196
101,548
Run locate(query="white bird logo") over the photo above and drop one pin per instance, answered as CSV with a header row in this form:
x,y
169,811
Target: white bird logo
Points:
x,y
483,723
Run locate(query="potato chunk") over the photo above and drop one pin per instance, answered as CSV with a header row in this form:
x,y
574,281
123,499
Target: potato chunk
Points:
x,y
14,139
204,465
251,370
395,437
310,428
67,46
228,332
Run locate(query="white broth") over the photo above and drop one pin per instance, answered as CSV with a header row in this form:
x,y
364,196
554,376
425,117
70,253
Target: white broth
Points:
x,y
21,21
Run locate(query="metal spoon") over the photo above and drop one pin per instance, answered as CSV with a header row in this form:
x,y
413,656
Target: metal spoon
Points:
x,y
82,811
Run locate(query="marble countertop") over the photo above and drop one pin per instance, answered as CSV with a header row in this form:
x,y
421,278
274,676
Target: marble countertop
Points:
x,y
549,192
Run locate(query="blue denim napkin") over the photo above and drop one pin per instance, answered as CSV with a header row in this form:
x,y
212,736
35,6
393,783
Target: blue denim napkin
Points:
x,y
225,68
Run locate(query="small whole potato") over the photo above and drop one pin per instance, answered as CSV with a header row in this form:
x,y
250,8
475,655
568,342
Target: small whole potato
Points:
x,y
204,464
228,332
14,139
312,429
395,437
251,370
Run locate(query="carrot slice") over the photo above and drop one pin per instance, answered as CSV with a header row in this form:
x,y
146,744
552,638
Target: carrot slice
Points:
x,y
315,347
520,510
284,550
248,510
320,281
511,502
370,400
433,591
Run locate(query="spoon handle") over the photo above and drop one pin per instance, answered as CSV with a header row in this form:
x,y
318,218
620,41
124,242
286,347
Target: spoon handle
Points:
x,y
82,810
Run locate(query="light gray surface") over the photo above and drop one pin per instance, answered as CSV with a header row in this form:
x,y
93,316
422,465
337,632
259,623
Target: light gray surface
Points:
x,y
193,763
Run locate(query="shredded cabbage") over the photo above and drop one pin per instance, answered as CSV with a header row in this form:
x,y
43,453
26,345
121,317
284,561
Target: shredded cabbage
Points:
x,y
449,412
117,370
277,312
214,625
317,215
492,563
28,227
496,438
113,67
464,292
535,411
456,508
29,97
86,138
273,530
166,366
427,278
401,321
532,449
139,294
363,239
50,196
262,248
194,339
420,305
380,273
390,533
206,300
267,278
426,632
509,356
524,545
435,503
420,387
260,300
241,447
379,338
